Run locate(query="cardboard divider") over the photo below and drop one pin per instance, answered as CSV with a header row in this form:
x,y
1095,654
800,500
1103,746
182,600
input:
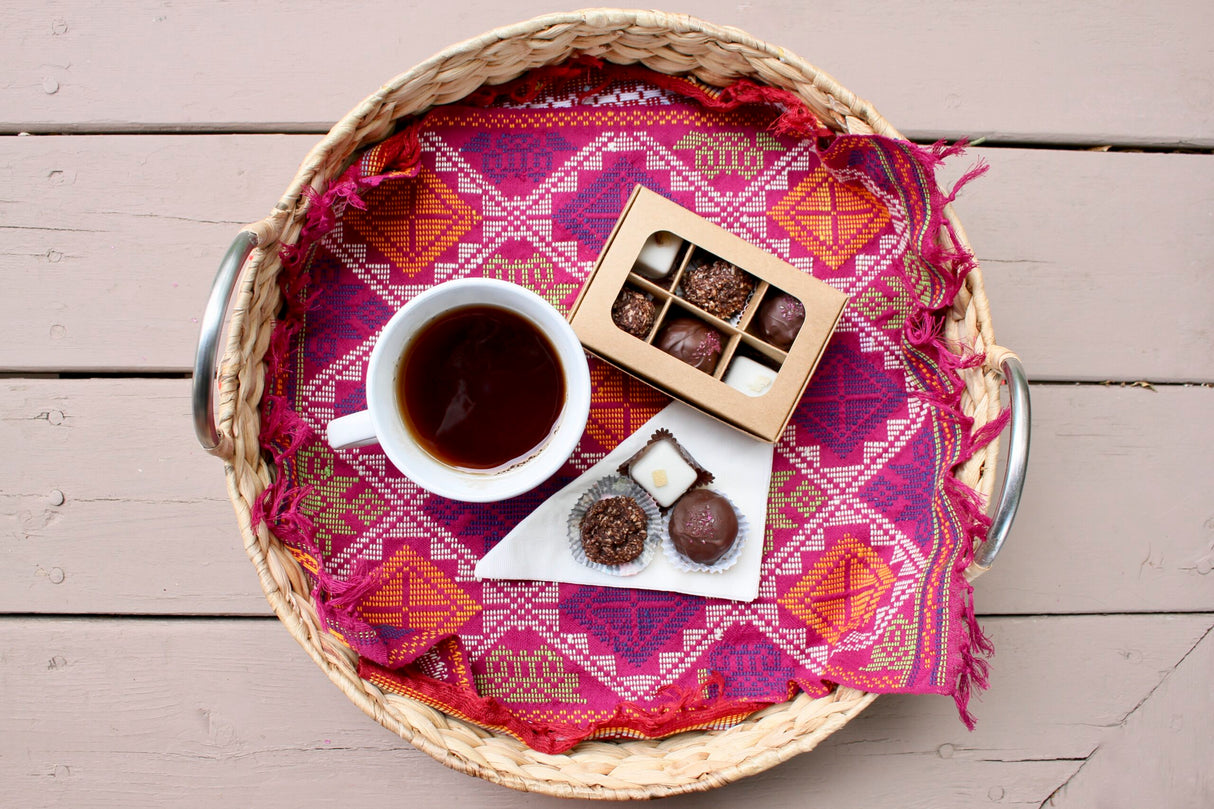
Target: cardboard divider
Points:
x,y
752,306
766,349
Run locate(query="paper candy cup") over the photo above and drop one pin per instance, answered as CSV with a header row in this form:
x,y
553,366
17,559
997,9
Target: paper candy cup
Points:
x,y
721,565
617,486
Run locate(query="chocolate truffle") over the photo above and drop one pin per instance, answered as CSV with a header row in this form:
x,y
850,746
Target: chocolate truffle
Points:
x,y
718,288
656,259
780,319
692,342
664,469
703,526
614,531
749,377
634,312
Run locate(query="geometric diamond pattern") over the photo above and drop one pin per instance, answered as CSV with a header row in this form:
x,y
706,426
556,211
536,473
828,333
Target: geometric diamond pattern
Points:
x,y
412,592
591,215
831,219
850,397
635,623
415,222
842,591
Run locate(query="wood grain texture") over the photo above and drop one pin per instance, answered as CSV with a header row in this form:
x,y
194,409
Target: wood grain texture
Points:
x,y
129,713
112,507
113,276
106,275
1175,719
145,526
1117,514
1098,265
1039,71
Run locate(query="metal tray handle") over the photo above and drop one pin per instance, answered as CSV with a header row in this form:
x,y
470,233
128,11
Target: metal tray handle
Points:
x,y
1017,462
206,357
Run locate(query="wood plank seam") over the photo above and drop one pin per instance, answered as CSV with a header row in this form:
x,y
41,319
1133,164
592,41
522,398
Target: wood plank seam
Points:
x,y
1122,723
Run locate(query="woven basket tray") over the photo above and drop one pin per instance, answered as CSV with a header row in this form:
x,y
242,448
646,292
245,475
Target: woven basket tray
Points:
x,y
668,43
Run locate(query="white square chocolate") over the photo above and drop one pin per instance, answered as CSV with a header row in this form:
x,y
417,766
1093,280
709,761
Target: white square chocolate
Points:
x,y
663,472
750,377
656,259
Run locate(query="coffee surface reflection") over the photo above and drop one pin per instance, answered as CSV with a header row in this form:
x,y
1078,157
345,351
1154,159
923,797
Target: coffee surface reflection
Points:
x,y
480,387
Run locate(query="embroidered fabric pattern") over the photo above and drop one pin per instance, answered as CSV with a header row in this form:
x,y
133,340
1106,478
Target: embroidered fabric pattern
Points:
x,y
867,531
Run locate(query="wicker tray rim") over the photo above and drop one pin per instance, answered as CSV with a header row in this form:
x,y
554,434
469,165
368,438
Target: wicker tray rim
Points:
x,y
628,769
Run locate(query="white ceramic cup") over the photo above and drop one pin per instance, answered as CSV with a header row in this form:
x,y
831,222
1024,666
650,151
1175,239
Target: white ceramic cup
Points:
x,y
381,423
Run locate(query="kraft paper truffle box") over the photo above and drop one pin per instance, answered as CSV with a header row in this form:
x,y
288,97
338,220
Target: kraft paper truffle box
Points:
x,y
701,314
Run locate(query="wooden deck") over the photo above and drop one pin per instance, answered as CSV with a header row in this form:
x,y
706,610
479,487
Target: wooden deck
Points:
x,y
135,645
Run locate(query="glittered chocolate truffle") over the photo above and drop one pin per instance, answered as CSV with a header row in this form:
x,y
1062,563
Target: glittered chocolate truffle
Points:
x,y
614,531
634,312
692,342
780,319
703,526
718,288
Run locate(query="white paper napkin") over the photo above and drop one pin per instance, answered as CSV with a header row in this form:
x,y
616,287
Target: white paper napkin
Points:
x,y
538,547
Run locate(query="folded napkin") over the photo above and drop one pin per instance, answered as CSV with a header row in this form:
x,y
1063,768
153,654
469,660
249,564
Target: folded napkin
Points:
x,y
538,547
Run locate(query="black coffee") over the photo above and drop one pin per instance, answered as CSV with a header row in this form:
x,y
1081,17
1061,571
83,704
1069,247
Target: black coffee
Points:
x,y
480,387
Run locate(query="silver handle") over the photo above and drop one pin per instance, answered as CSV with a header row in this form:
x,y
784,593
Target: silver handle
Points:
x,y
1017,463
208,340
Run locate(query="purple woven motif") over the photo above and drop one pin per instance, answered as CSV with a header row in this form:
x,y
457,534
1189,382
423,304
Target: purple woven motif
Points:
x,y
862,544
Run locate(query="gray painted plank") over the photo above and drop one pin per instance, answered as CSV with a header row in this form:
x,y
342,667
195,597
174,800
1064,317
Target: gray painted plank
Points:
x,y
1133,73
111,506
1097,265
113,276
1174,718
1116,517
143,713
1117,511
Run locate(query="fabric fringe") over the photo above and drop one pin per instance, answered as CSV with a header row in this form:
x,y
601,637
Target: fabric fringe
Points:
x,y
685,709
795,119
972,644
940,248
283,431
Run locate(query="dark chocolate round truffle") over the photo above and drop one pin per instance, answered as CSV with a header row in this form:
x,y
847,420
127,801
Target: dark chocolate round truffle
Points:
x,y
703,526
614,531
718,288
634,312
692,342
780,320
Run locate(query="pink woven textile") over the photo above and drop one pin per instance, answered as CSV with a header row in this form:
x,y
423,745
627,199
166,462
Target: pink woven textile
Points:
x,y
868,532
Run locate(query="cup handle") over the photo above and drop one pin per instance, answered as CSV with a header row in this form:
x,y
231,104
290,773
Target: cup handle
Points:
x,y
354,430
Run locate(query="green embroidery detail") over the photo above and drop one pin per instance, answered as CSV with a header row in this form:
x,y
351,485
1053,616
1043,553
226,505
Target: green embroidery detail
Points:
x,y
890,303
331,501
895,649
537,675
728,152
768,144
920,275
535,273
802,501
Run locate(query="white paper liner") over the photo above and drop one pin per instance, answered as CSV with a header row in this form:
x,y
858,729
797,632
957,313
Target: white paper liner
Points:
x,y
617,486
721,565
